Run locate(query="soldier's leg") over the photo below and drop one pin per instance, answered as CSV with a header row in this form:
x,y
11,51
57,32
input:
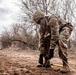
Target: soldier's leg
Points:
x,y
63,47
54,26
47,46
50,53
41,55
46,63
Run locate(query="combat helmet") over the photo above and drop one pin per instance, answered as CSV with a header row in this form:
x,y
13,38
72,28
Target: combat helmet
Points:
x,y
37,15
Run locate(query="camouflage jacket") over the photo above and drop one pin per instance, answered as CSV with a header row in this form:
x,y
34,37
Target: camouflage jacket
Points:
x,y
44,29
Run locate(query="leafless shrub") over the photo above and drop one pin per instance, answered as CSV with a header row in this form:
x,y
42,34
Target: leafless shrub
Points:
x,y
19,36
23,38
5,39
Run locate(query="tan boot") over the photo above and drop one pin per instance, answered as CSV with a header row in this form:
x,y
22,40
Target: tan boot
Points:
x,y
65,67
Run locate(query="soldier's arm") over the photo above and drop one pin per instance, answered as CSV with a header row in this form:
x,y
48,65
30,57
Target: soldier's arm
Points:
x,y
42,31
41,37
54,26
64,23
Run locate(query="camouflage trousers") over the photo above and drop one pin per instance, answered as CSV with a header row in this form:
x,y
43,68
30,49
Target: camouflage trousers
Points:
x,y
46,46
62,43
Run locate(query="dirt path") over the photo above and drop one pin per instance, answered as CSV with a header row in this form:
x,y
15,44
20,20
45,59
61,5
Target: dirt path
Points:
x,y
18,62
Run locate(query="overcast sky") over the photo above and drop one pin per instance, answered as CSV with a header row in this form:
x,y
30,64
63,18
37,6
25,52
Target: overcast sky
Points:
x,y
9,12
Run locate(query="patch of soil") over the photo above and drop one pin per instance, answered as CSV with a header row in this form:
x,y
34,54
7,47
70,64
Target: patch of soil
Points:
x,y
18,62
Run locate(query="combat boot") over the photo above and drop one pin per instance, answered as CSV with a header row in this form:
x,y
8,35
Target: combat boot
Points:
x,y
65,67
40,60
47,63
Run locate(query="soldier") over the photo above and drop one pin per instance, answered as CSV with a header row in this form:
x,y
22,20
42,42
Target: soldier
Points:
x,y
44,37
59,31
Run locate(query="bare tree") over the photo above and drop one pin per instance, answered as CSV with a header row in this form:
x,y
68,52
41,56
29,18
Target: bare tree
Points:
x,y
5,39
64,8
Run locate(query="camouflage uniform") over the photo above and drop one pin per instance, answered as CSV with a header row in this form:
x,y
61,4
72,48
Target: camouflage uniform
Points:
x,y
44,33
59,31
44,30
44,37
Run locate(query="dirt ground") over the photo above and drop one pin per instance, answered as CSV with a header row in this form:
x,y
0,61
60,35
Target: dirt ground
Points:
x,y
14,61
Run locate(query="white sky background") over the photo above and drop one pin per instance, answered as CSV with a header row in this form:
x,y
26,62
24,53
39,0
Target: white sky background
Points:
x,y
9,12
